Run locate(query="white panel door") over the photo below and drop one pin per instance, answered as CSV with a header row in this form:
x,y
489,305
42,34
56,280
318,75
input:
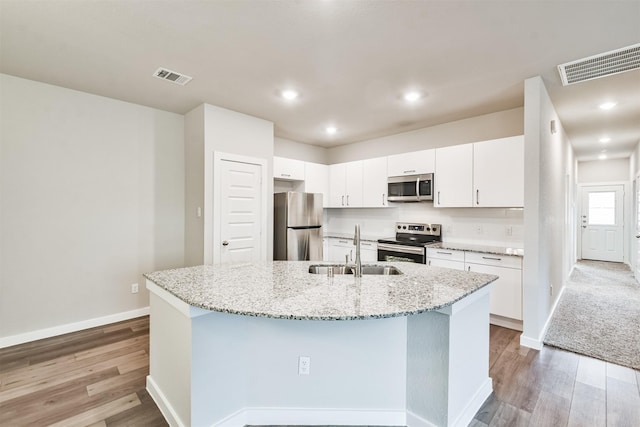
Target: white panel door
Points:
x,y
240,212
602,222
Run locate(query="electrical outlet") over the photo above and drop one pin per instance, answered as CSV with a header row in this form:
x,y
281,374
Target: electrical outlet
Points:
x,y
304,365
134,288
479,229
509,230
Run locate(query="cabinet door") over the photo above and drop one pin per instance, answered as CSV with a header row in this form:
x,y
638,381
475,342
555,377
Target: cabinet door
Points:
x,y
374,183
368,251
289,169
506,294
498,172
353,184
456,265
454,176
316,180
337,185
341,248
413,163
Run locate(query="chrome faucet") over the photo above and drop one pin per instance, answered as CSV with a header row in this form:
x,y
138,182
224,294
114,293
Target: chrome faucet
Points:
x,y
356,241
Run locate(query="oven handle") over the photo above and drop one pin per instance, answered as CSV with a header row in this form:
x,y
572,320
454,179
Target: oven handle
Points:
x,y
401,249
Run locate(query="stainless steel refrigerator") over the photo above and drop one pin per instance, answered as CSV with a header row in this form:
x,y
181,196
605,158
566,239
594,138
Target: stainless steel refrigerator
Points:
x,y
297,226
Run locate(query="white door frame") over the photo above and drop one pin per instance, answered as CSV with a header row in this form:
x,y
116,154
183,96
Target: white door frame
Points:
x,y
633,244
626,215
212,244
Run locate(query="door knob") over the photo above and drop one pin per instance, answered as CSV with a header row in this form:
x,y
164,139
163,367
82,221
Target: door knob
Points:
x,y
225,243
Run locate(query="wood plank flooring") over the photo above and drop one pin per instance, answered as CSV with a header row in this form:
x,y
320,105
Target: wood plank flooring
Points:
x,y
97,378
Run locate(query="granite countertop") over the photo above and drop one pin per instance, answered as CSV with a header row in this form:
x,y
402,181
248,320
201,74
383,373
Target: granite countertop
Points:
x,y
495,250
285,289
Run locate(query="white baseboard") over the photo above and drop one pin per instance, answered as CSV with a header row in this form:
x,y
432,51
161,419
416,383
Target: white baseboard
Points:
x,y
505,322
163,404
537,343
474,405
414,420
71,327
313,416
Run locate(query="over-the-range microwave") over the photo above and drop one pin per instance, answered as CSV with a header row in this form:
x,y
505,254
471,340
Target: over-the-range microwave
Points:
x,y
410,188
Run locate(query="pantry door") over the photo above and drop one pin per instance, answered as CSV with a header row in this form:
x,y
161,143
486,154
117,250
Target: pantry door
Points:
x,y
241,212
602,222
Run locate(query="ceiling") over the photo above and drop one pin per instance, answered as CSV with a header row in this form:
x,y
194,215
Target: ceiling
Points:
x,y
350,60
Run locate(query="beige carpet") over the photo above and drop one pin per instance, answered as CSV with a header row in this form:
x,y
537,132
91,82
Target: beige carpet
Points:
x,y
599,314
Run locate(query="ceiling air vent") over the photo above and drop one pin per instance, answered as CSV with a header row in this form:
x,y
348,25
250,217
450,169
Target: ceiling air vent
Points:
x,y
172,76
602,65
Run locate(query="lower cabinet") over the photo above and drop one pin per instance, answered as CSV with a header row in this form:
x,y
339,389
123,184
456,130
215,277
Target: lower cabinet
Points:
x,y
445,258
506,294
341,250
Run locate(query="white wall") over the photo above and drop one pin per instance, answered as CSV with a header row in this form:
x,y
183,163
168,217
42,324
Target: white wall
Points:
x,y
490,126
92,196
299,151
210,129
549,210
612,170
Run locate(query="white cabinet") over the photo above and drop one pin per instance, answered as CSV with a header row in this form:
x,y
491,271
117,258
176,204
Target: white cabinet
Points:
x,y
316,180
341,250
498,172
482,174
345,185
445,258
368,251
506,294
416,162
374,183
289,169
454,176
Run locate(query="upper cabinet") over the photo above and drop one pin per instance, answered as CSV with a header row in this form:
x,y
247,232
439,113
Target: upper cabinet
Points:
x,y
453,179
498,172
316,180
288,169
374,183
482,174
345,185
414,163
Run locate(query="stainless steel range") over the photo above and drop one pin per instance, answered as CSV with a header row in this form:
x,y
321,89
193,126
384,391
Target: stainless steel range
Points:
x,y
410,242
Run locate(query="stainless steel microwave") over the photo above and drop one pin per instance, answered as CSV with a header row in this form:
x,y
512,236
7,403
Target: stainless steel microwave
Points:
x,y
410,188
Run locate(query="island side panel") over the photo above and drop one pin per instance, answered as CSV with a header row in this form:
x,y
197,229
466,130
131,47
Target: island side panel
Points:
x,y
448,363
169,380
357,375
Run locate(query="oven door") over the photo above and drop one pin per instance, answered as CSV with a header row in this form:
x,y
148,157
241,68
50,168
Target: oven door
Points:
x,y
399,252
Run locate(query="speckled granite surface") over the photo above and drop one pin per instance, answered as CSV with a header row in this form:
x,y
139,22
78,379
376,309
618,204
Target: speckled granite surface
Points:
x,y
495,250
285,289
349,236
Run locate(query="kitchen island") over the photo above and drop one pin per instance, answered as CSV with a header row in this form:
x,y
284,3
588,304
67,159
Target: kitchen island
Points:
x,y
409,349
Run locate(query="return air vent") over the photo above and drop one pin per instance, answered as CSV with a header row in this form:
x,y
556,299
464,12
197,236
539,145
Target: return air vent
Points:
x,y
172,76
602,65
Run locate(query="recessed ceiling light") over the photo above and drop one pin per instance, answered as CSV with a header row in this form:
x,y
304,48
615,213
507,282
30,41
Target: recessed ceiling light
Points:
x,y
412,96
290,94
602,156
605,139
607,105
331,130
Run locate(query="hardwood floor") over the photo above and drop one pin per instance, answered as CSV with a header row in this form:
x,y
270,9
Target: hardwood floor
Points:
x,y
97,378
94,377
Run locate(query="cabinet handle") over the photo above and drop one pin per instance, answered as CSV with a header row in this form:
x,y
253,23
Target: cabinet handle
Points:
x,y
285,174
429,262
351,254
444,253
410,171
343,200
493,259
477,197
383,201
343,241
438,197
469,268
347,200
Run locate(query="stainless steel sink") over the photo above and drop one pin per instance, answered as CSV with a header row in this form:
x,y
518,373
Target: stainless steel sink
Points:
x,y
344,269
386,270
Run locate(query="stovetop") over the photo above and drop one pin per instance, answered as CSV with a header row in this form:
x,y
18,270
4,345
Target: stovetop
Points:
x,y
412,234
